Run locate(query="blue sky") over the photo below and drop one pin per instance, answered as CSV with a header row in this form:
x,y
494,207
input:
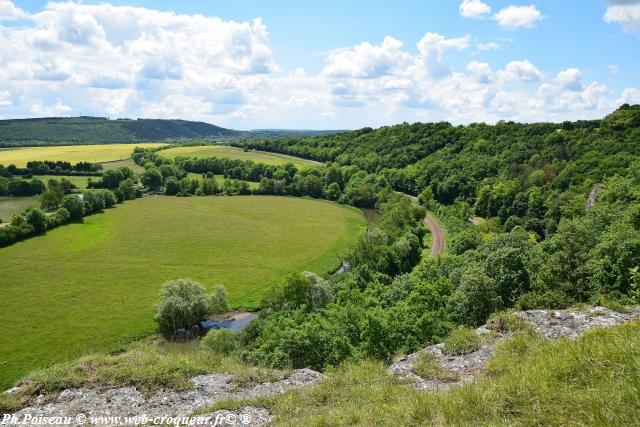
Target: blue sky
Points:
x,y
320,64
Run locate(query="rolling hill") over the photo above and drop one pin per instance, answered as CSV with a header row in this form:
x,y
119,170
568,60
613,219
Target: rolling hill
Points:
x,y
100,130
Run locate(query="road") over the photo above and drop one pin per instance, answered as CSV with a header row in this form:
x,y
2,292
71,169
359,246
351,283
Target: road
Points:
x,y
438,244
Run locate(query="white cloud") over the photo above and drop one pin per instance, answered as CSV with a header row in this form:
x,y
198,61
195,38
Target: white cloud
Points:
x,y
9,12
122,61
5,98
613,69
55,110
570,79
432,48
481,71
624,13
475,9
630,96
521,71
488,46
366,60
513,17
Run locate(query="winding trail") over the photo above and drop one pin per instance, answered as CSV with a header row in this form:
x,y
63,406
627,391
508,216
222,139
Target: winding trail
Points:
x,y
438,243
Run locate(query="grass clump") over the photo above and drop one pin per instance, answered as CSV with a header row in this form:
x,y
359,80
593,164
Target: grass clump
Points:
x,y
149,365
461,341
504,321
427,367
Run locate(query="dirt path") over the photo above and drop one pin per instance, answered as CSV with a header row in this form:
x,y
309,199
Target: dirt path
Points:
x,y
438,244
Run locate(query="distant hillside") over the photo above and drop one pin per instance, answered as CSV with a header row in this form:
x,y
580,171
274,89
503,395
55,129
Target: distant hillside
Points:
x,y
100,130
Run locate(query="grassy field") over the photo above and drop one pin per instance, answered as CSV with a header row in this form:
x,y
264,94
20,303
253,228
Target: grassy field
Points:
x,y
92,286
70,153
236,153
220,178
11,205
122,163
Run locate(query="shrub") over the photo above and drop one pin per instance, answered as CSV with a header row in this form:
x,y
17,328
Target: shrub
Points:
x,y
504,321
222,341
74,205
182,304
426,366
37,219
465,241
475,298
218,300
461,341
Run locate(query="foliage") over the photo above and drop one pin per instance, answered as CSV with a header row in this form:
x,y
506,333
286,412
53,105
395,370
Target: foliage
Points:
x,y
183,303
222,341
218,300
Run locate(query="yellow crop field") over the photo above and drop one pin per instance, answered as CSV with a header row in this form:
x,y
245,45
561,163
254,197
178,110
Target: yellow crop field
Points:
x,y
70,153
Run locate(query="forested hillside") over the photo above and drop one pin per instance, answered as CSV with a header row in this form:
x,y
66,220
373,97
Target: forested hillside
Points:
x,y
524,174
99,130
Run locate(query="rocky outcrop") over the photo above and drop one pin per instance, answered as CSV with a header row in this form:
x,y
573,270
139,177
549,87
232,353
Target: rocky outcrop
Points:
x,y
550,324
130,402
593,196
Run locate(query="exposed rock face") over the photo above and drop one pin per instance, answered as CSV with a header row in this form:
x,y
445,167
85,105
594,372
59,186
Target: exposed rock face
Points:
x,y
130,402
548,323
593,196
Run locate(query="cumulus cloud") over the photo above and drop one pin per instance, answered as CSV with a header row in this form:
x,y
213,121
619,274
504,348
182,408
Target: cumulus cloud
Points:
x,y
513,17
475,9
630,96
122,61
5,98
481,71
625,13
149,56
570,79
521,71
9,12
366,60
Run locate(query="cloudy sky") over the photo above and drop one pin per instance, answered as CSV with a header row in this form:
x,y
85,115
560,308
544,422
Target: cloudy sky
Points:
x,y
322,65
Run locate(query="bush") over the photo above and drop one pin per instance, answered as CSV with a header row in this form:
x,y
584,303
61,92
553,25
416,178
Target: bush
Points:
x,y
74,205
504,321
183,303
426,366
218,300
222,341
461,341
37,219
474,299
465,241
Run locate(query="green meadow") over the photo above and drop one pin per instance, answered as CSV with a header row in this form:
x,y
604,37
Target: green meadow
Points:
x,y
92,286
226,151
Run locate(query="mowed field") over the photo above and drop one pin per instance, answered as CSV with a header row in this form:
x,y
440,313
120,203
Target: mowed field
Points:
x,y
236,153
92,286
70,153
